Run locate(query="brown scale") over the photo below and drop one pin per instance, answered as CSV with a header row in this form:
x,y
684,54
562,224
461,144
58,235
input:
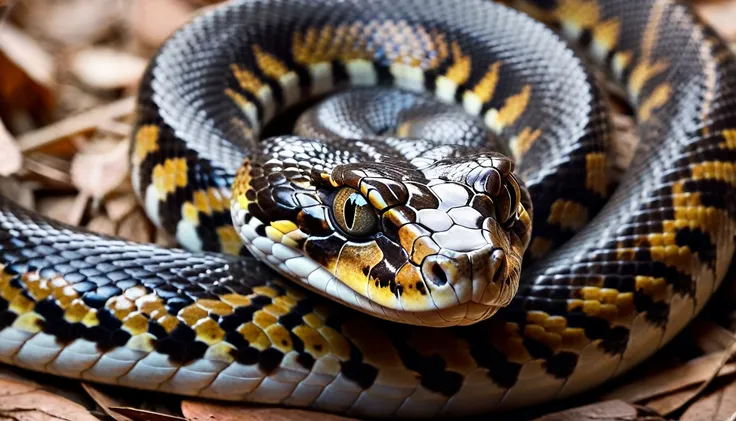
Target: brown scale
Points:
x,y
314,220
394,219
382,193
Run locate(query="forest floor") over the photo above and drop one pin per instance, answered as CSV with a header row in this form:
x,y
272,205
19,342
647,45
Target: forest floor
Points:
x,y
68,73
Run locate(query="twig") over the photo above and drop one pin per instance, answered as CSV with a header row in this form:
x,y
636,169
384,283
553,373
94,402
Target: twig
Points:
x,y
726,356
79,123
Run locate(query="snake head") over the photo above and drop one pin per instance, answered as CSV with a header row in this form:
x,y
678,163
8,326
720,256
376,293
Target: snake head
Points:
x,y
432,238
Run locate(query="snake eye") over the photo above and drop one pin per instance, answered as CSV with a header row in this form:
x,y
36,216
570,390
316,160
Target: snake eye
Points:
x,y
353,213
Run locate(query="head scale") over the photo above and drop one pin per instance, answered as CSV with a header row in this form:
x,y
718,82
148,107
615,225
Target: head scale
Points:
x,y
440,234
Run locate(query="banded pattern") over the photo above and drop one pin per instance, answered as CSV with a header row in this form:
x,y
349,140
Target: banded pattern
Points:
x,y
277,76
226,327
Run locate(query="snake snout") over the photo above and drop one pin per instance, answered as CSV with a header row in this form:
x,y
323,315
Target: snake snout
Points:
x,y
484,275
490,283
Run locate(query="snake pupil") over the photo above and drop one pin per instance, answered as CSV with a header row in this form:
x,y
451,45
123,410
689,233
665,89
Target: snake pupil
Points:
x,y
349,210
353,213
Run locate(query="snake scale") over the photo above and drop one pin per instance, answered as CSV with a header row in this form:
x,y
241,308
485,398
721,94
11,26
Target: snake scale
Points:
x,y
399,227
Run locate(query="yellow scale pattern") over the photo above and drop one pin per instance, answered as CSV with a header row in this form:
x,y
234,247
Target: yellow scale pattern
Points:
x,y
568,214
145,143
596,179
207,202
521,144
576,16
729,137
513,108
137,306
459,71
169,175
486,86
609,304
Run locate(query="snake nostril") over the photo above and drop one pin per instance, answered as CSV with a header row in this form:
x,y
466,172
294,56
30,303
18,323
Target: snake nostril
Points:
x,y
439,277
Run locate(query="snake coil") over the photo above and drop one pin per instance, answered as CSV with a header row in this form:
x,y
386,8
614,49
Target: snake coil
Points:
x,y
396,203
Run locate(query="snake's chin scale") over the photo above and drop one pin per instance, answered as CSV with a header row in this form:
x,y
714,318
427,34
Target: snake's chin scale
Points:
x,y
294,264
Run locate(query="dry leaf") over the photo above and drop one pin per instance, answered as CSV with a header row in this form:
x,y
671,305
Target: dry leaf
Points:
x,y
64,209
21,193
48,170
693,372
602,411
25,52
164,239
96,145
625,142
61,150
716,406
12,159
663,404
720,14
703,386
154,21
711,337
27,80
77,211
102,225
135,227
204,411
118,207
100,173
116,128
21,401
80,123
105,401
105,68
61,21
141,415
74,99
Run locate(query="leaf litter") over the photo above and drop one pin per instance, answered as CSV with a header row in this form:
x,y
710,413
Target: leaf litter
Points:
x,y
23,401
70,69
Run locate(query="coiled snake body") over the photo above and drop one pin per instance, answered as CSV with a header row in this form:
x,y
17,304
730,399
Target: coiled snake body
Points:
x,y
411,219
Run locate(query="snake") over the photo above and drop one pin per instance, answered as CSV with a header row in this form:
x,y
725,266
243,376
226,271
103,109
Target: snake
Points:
x,y
396,208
